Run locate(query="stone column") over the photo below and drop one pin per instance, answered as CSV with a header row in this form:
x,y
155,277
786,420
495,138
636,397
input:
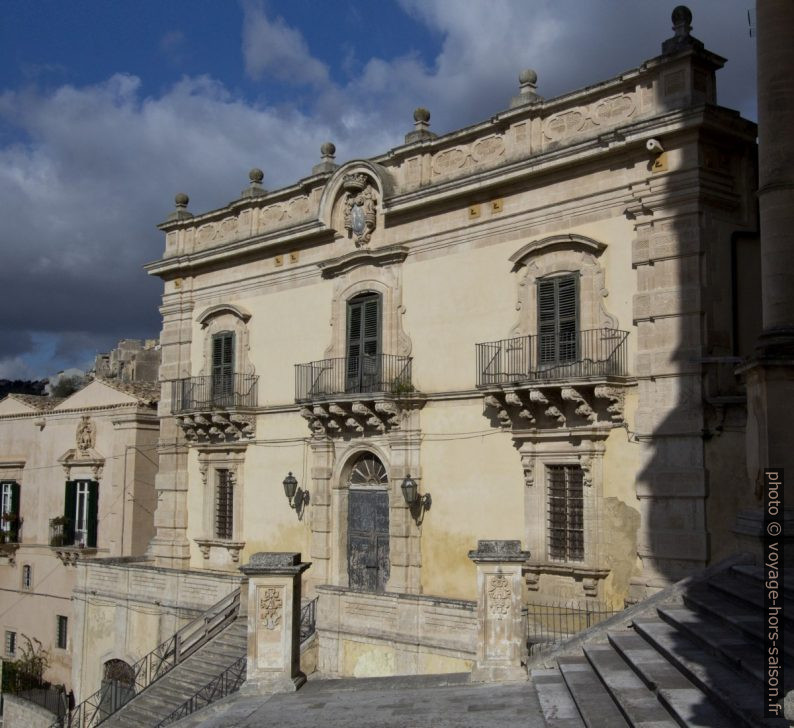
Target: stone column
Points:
x,y
502,633
770,373
274,610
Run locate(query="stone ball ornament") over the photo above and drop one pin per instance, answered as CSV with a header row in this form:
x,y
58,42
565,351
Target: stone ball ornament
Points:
x,y
421,114
181,199
528,75
328,149
256,175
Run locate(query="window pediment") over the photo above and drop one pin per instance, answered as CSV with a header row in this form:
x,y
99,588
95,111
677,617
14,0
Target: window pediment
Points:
x,y
219,310
570,241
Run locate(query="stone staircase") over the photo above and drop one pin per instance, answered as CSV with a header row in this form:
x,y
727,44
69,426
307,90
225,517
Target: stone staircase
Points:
x,y
185,680
694,658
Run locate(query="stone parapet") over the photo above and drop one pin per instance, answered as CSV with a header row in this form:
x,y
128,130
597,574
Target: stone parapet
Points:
x,y
366,634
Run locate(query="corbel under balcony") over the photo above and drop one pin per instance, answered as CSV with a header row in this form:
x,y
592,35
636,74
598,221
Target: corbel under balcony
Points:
x,y
216,409
233,547
70,555
370,394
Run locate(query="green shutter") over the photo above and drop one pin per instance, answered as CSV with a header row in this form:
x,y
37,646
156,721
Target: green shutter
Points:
x,y
15,510
558,319
92,513
363,339
222,363
69,508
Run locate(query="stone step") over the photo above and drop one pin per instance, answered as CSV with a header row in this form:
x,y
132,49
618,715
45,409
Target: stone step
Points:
x,y
740,591
594,702
638,704
755,575
737,649
556,703
685,702
725,687
744,619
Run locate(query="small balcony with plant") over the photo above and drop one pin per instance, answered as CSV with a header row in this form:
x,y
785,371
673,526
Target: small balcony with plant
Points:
x,y
562,377
355,392
10,536
216,408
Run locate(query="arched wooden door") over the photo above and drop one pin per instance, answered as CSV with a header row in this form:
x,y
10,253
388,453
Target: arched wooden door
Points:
x,y
368,525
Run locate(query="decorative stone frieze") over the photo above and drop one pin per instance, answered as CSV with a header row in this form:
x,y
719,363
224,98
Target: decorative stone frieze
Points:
x,y
367,414
217,426
556,406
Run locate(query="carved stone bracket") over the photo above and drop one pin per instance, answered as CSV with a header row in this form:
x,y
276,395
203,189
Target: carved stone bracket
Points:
x,y
360,415
552,406
233,547
70,555
217,426
590,577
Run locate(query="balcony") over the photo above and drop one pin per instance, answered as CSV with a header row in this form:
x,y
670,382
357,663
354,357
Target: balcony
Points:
x,y
595,353
355,393
215,408
542,382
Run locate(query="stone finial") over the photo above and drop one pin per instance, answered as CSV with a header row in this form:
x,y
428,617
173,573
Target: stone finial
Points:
x,y
421,127
682,26
327,165
181,201
528,83
255,189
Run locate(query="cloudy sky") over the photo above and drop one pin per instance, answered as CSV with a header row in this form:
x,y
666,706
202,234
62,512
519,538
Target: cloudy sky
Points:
x,y
109,107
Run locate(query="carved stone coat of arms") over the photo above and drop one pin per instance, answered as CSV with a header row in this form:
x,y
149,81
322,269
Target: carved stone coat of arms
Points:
x,y
360,208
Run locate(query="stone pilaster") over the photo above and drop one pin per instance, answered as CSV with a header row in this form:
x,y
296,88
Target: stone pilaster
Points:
x,y
320,514
770,373
170,546
501,622
274,607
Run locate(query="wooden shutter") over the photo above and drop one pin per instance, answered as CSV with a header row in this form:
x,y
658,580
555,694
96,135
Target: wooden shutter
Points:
x,y
558,319
15,510
92,513
363,338
69,508
222,363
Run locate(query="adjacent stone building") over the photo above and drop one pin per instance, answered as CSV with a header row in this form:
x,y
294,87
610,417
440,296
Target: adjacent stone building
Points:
x,y
525,329
77,483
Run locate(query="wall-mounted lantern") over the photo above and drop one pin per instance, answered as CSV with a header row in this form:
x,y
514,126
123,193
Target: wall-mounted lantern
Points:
x,y
418,504
297,497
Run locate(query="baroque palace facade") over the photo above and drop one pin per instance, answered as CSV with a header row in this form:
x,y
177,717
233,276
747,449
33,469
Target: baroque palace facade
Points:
x,y
524,329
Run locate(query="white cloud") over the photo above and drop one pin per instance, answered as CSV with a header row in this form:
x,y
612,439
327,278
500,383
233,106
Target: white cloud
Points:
x,y
272,47
99,165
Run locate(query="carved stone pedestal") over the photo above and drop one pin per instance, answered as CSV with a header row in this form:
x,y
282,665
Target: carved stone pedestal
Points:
x,y
274,599
502,637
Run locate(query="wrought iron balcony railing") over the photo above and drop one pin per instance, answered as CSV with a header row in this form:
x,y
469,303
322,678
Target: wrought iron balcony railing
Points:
x,y
592,353
214,392
386,373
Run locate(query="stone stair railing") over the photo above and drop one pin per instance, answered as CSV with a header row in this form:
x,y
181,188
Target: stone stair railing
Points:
x,y
153,666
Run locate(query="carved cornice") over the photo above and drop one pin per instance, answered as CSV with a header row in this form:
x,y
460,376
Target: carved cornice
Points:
x,y
539,247
575,405
222,308
217,426
357,258
82,458
359,415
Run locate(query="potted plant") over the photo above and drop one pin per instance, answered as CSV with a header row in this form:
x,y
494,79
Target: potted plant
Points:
x,y
12,523
58,530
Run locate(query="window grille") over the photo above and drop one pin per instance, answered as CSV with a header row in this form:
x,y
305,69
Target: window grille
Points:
x,y
11,643
565,486
27,576
61,629
224,505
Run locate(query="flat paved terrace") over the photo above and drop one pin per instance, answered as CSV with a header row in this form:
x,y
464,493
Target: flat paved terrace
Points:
x,y
416,701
